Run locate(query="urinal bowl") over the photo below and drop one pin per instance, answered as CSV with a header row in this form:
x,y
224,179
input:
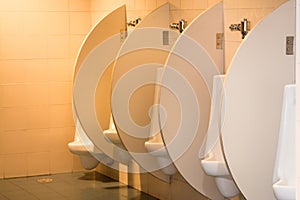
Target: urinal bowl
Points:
x,y
87,160
214,167
113,137
284,191
224,181
284,179
158,150
120,152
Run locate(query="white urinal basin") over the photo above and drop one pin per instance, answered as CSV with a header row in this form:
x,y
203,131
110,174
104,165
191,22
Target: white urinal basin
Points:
x,y
227,187
224,181
283,191
158,150
76,147
214,167
120,151
86,159
113,136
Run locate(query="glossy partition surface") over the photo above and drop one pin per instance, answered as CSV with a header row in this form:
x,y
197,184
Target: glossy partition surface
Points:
x,y
186,96
91,94
253,99
134,78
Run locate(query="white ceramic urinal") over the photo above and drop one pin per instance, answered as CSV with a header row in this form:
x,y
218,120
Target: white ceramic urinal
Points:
x,y
285,168
112,136
212,159
155,146
157,149
85,149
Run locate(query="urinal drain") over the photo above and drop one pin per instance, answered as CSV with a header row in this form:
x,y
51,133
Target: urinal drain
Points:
x,y
45,180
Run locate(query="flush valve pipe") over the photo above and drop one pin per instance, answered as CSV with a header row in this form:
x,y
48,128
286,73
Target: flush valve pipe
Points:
x,y
134,22
243,27
179,26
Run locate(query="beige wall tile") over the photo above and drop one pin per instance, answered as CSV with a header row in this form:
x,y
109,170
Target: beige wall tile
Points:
x,y
11,24
60,161
60,93
60,137
35,57
151,4
15,165
1,167
13,5
95,5
13,142
12,71
35,46
184,4
37,94
57,5
58,23
38,163
200,4
39,140
13,95
77,166
97,15
37,117
12,47
75,42
60,70
161,2
61,116
14,118
36,70
79,5
140,4
175,4
58,46
213,2
35,23
130,4
80,22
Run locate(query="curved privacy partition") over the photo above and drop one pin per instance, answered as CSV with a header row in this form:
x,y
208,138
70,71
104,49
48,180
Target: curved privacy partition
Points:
x,y
134,76
253,100
92,81
185,96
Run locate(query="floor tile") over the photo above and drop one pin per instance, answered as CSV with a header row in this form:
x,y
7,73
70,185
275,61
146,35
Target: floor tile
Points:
x,y
69,186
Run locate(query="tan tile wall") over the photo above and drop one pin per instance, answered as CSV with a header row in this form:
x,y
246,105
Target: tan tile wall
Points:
x,y
39,41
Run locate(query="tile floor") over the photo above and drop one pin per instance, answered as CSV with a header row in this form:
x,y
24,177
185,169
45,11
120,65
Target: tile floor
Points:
x,y
71,186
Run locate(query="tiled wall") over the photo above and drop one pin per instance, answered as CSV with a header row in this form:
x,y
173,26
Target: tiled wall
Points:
x,y
39,41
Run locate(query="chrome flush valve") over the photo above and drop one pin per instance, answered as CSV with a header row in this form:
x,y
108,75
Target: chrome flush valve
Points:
x,y
243,27
179,26
134,22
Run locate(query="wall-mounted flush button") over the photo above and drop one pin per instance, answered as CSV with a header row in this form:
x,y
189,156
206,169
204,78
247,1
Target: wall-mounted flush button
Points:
x,y
289,50
123,35
166,38
219,41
